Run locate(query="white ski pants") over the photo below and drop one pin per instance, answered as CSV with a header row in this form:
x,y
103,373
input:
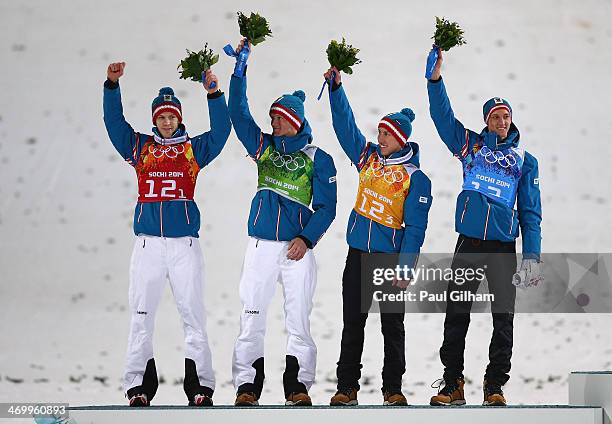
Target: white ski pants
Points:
x,y
265,264
155,259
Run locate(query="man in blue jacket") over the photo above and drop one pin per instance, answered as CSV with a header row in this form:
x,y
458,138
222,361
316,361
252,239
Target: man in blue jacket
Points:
x,y
389,216
283,230
500,195
166,223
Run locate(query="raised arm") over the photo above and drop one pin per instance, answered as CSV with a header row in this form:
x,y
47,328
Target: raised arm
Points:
x,y
125,140
529,207
451,130
248,132
208,145
351,139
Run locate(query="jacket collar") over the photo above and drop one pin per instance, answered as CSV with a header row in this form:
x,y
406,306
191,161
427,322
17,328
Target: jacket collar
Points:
x,y
493,142
286,144
408,154
179,136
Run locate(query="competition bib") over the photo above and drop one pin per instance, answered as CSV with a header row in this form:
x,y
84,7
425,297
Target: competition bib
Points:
x,y
494,173
166,172
382,191
289,174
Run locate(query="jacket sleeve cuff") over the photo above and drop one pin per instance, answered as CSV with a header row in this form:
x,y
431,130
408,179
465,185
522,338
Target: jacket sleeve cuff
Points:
x,y
335,86
215,95
111,85
535,256
305,240
435,81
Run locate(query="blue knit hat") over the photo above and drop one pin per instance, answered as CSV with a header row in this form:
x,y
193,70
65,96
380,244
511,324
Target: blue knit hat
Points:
x,y
399,124
290,107
166,102
496,103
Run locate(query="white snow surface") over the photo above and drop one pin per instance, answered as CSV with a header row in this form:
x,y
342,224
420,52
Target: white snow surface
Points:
x,y
67,198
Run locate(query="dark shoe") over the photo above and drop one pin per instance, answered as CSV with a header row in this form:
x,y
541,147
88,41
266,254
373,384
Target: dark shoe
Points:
x,y
139,400
493,394
201,400
344,397
394,399
450,394
298,399
246,399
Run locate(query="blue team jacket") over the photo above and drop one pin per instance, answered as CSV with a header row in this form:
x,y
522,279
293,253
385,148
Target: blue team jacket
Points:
x,y
363,233
274,217
476,215
173,218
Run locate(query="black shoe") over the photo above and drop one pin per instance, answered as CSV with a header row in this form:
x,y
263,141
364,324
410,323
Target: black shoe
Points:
x,y
201,400
139,400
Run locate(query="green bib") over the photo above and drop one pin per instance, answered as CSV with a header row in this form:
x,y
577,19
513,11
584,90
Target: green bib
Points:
x,y
289,175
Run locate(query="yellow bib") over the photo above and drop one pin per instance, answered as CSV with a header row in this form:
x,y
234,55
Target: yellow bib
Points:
x,y
382,191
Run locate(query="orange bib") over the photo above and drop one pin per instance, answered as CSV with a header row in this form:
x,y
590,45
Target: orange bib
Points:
x,y
382,191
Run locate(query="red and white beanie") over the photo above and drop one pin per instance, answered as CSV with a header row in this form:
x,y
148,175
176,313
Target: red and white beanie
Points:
x,y
399,124
495,104
290,107
166,102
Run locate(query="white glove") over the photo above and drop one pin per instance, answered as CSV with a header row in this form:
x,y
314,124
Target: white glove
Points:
x,y
529,274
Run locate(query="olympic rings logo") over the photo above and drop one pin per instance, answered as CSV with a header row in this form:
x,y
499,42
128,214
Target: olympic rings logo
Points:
x,y
170,152
391,176
505,161
292,163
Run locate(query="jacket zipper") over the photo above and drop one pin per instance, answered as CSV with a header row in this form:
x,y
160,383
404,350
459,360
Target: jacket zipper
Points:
x,y
277,222
300,216
257,216
511,222
464,208
186,213
161,219
487,221
354,222
140,213
369,235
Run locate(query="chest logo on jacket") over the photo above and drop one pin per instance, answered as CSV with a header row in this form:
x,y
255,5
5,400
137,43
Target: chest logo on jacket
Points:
x,y
166,172
290,162
170,152
289,175
494,173
382,191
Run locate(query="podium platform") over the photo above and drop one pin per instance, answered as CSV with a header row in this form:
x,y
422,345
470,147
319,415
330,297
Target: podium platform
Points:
x,y
537,414
592,388
590,395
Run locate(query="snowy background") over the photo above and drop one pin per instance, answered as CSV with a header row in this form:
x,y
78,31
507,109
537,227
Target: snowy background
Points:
x,y
66,197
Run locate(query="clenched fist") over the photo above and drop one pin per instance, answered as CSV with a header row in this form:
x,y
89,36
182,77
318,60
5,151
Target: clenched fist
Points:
x,y
115,71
